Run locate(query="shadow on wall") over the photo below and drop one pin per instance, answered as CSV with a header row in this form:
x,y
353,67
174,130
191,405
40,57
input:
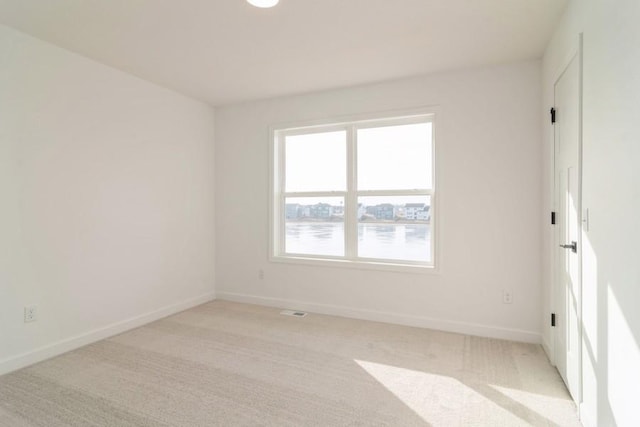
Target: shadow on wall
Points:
x,y
611,355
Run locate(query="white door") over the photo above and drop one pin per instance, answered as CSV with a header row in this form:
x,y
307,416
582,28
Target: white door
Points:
x,y
568,248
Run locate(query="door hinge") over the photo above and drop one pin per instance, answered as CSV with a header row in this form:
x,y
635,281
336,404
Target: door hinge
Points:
x,y
553,115
553,218
553,319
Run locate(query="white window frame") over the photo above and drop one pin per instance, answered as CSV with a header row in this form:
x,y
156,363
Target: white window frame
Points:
x,y
351,125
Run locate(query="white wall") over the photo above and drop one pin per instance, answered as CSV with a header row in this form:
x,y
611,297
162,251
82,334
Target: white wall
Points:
x,y
106,200
611,192
489,160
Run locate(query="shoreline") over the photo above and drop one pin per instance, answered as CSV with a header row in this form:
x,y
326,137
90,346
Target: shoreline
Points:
x,y
361,222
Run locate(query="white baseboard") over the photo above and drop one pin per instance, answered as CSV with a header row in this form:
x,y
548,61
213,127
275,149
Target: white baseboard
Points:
x,y
395,318
63,346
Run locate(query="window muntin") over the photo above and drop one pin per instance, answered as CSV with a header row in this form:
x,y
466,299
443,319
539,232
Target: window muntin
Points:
x,y
367,199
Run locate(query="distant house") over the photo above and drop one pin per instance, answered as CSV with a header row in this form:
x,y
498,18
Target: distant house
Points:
x,y
424,214
381,211
411,210
292,211
321,210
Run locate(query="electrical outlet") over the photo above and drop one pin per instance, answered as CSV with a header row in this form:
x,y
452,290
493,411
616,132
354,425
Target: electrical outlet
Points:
x,y
261,274
30,313
507,297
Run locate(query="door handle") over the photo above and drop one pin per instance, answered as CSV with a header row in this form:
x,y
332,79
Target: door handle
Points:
x,y
573,246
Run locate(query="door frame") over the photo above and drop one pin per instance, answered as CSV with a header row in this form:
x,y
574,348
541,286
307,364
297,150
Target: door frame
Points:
x,y
577,53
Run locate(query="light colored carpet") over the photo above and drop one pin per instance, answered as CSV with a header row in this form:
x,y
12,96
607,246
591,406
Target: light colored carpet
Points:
x,y
232,364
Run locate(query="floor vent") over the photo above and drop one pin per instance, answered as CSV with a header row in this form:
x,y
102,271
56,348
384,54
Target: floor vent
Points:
x,y
293,313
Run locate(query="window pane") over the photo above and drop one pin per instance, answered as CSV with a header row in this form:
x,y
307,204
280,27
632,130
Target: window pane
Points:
x,y
395,157
316,162
395,227
314,225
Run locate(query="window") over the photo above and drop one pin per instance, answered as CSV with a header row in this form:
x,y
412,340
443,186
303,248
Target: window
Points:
x,y
355,193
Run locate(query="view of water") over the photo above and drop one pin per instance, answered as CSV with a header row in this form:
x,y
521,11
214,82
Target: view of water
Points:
x,y
375,240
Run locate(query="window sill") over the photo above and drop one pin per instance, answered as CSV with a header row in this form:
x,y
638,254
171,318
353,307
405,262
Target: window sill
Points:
x,y
358,265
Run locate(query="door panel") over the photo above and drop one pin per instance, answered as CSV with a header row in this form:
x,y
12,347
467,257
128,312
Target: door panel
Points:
x,y
568,281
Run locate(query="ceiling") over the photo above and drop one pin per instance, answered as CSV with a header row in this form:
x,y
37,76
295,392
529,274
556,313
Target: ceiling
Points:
x,y
226,51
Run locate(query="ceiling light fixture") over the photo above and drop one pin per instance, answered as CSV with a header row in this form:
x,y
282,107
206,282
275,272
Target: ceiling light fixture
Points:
x,y
263,3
